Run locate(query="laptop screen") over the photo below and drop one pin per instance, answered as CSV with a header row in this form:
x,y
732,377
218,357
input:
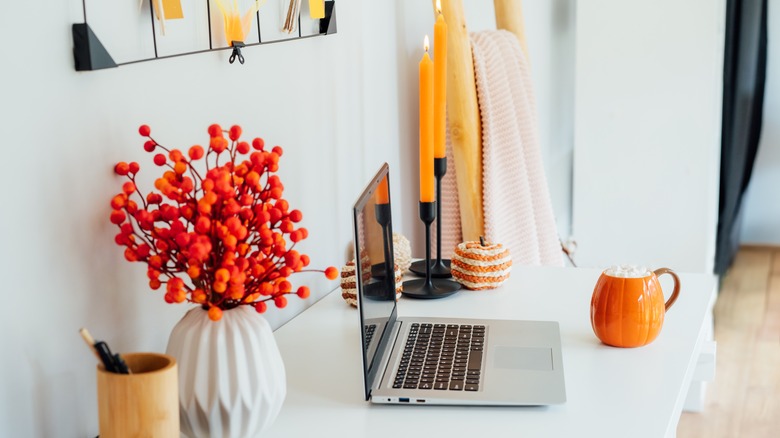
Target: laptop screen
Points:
x,y
373,261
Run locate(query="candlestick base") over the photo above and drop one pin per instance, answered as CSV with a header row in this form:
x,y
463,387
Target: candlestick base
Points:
x,y
378,292
378,271
437,270
438,288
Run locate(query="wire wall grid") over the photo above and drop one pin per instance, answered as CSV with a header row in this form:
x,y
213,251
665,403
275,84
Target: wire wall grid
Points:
x,y
90,54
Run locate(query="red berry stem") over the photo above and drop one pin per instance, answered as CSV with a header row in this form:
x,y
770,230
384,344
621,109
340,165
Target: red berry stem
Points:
x,y
222,238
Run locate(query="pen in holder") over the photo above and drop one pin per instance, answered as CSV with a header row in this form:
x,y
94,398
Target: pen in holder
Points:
x,y
144,403
428,287
440,267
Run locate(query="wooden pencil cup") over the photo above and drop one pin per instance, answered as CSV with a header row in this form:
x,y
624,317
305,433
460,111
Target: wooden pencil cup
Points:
x,y
142,404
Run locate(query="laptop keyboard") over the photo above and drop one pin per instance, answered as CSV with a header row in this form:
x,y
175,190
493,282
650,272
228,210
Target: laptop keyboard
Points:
x,y
442,357
369,333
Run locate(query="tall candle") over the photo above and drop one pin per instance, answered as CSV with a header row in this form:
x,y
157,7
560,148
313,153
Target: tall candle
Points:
x,y
382,195
426,126
439,84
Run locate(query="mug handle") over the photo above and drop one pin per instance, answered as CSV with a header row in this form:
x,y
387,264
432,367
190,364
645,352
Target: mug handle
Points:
x,y
676,291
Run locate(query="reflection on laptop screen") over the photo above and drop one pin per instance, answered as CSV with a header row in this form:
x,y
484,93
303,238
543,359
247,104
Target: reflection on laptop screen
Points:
x,y
373,260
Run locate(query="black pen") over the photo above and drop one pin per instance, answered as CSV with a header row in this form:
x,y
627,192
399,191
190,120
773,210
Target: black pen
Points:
x,y
121,366
112,363
105,356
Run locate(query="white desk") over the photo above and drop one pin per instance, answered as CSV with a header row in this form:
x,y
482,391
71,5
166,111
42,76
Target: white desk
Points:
x,y
611,392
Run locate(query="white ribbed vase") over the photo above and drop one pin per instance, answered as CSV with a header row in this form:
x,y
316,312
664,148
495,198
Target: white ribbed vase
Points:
x,y
231,376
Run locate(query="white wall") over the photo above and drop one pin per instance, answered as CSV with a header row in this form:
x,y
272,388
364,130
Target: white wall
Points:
x,y
647,132
761,205
63,130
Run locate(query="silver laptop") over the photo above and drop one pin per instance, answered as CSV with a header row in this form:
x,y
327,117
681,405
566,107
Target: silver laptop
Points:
x,y
442,361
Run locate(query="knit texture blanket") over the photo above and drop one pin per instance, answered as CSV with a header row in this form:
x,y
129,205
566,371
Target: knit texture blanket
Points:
x,y
516,201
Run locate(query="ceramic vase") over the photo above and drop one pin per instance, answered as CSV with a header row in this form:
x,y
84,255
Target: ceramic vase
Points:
x,y
231,376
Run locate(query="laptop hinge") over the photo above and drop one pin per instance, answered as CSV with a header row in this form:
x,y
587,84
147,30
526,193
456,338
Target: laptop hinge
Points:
x,y
383,363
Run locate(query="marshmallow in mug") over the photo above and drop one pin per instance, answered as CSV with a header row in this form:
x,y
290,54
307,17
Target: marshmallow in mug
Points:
x,y
627,271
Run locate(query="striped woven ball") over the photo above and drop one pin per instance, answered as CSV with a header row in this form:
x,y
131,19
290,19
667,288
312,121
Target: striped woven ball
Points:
x,y
399,282
365,266
477,266
349,283
402,251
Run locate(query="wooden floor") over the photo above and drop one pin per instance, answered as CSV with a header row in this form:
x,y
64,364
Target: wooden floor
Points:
x,y
744,399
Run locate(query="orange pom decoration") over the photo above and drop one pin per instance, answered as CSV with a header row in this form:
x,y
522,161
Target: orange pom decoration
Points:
x,y
121,168
215,313
215,130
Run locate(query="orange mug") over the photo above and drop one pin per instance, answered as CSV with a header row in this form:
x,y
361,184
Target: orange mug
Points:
x,y
627,308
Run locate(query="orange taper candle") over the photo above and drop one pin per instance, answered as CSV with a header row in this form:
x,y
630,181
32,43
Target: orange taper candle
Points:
x,y
382,196
439,84
426,126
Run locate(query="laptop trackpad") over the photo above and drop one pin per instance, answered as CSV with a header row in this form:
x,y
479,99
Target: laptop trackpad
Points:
x,y
523,358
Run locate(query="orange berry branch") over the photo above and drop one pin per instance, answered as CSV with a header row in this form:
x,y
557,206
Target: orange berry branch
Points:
x,y
225,231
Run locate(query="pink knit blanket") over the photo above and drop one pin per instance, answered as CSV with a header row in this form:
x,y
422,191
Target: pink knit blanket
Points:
x,y
516,201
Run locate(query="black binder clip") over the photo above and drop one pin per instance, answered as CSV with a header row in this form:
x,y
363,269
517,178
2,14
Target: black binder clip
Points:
x,y
237,45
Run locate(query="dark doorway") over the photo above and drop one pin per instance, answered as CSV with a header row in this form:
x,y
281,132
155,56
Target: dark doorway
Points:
x,y
744,74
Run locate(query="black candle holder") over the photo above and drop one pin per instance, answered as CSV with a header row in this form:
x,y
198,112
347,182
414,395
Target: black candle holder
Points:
x,y
383,286
380,270
428,287
441,267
